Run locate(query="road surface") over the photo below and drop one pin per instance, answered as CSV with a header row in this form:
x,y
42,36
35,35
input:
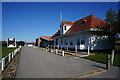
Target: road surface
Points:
x,y
36,63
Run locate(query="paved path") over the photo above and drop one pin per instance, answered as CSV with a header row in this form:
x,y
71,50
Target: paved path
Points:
x,y
36,63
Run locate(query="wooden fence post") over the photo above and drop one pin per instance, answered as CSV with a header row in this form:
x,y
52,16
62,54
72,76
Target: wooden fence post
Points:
x,y
3,63
9,57
14,52
12,55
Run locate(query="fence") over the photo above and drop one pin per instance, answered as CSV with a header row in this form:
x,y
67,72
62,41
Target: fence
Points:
x,y
4,61
74,48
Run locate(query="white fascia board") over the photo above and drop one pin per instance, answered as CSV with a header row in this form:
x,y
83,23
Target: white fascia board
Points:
x,y
73,33
46,39
95,29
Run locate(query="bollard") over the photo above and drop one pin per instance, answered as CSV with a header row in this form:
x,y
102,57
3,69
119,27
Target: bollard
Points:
x,y
58,47
3,63
76,48
51,50
63,53
112,57
54,46
67,47
9,57
56,51
108,62
46,48
61,47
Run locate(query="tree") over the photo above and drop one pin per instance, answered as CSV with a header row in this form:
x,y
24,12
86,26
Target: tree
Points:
x,y
22,43
111,16
111,25
113,21
118,22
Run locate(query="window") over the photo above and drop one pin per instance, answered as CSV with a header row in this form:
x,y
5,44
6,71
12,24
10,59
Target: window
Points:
x,y
83,21
78,41
65,27
82,40
71,43
65,43
56,41
78,36
61,42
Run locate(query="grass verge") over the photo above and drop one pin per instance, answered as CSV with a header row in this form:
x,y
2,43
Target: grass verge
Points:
x,y
102,58
6,51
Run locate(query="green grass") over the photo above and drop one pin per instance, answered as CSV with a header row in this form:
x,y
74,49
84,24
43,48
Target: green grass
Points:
x,y
117,47
6,51
0,52
102,58
117,60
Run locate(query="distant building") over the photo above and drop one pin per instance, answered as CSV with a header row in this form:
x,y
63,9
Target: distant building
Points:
x,y
44,41
38,40
29,44
117,42
83,33
3,44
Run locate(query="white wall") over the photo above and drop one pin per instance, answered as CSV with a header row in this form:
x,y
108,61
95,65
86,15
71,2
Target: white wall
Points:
x,y
62,28
73,39
30,45
97,41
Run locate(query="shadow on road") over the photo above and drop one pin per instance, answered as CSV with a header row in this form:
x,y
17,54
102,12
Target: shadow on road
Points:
x,y
99,66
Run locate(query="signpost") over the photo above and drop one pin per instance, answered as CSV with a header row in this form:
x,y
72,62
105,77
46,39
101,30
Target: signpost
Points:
x,y
11,42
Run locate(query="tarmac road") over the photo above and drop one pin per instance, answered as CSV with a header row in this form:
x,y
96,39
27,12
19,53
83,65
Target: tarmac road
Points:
x,y
36,63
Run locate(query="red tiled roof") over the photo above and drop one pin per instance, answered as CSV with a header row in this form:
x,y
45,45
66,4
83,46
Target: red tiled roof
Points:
x,y
28,43
2,41
67,22
37,38
91,21
46,37
56,34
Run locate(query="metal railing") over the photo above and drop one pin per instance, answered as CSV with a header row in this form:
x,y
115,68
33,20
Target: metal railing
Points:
x,y
4,61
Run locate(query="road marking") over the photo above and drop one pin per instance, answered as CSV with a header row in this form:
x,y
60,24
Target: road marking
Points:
x,y
95,72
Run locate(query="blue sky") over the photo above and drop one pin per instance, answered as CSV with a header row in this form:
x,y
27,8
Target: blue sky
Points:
x,y
29,20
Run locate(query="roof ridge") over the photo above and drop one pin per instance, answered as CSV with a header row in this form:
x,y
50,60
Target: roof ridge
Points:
x,y
91,17
67,21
